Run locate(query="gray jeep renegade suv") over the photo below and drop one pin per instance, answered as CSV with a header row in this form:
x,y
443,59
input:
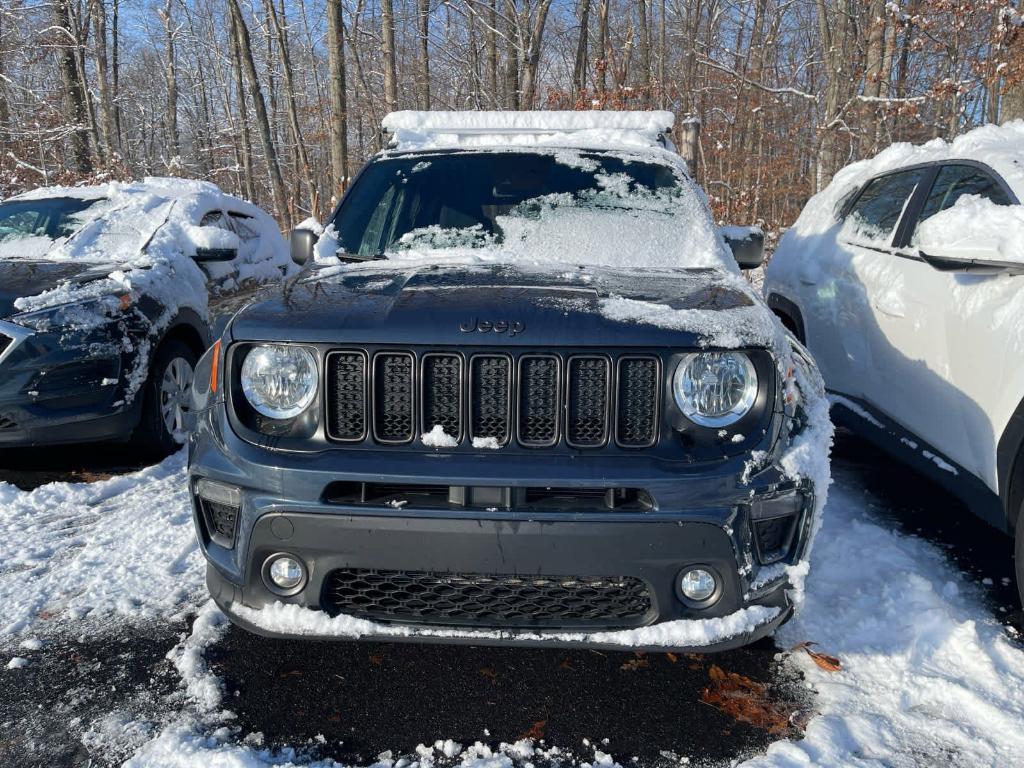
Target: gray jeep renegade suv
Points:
x,y
518,395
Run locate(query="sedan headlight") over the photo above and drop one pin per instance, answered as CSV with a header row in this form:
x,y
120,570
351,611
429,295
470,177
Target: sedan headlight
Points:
x,y
75,315
279,380
715,389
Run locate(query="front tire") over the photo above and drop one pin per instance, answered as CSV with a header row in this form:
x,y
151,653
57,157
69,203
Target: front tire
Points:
x,y
168,390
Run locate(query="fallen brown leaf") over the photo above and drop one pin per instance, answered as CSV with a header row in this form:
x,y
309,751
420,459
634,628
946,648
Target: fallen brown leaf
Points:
x,y
536,731
671,657
490,674
746,701
823,660
376,659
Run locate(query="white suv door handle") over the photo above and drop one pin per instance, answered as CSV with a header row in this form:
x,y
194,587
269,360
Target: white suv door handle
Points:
x,y
888,310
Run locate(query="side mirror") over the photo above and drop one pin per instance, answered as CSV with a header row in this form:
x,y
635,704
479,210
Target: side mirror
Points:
x,y
301,243
747,245
216,254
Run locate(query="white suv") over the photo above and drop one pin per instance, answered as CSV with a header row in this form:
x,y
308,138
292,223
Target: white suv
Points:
x,y
903,278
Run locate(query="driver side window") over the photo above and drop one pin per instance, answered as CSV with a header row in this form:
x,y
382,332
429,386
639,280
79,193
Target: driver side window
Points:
x,y
873,219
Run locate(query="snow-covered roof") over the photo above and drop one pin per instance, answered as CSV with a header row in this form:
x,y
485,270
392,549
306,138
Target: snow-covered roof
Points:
x,y
411,130
1001,147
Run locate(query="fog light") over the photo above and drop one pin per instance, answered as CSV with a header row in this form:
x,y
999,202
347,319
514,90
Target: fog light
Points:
x,y
284,574
698,585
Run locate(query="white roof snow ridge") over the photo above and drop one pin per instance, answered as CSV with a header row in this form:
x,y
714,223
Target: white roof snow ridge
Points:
x,y
584,129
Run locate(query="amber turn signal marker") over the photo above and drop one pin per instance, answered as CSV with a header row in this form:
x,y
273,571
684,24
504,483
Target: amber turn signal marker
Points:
x,y
215,366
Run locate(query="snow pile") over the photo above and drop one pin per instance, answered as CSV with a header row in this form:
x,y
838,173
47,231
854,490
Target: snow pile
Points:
x,y
121,547
438,438
121,225
929,677
433,130
978,228
682,633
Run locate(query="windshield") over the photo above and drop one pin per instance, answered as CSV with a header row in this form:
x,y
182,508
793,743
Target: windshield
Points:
x,y
581,207
53,218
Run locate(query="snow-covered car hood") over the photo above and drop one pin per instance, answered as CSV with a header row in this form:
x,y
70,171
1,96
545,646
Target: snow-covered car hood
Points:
x,y
20,277
503,304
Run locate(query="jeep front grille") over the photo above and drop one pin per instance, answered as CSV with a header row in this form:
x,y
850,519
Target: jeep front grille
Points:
x,y
639,385
490,389
486,600
583,401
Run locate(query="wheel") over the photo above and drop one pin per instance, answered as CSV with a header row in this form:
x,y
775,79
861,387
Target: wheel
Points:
x,y
1018,554
168,394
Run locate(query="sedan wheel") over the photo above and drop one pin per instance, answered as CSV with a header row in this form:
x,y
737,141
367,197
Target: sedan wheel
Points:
x,y
175,394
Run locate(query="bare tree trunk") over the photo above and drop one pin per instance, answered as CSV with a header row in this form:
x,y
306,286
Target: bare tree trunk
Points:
x,y
115,66
293,116
645,54
512,56
531,60
339,106
602,61
579,70
492,51
5,108
424,62
243,113
662,53
74,94
171,76
107,130
387,12
262,122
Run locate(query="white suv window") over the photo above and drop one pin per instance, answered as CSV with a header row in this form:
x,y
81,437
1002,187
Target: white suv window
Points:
x,y
955,181
873,219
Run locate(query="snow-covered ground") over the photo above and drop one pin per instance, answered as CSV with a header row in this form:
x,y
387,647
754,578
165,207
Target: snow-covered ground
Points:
x,y
929,676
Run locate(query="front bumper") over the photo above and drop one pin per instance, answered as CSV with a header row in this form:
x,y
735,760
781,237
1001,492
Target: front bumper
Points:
x,y
63,388
701,517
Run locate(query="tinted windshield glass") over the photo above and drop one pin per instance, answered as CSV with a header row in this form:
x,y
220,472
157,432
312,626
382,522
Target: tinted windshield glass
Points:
x,y
457,199
52,218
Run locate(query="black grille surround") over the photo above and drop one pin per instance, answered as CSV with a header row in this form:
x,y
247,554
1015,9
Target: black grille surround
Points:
x,y
492,399
504,601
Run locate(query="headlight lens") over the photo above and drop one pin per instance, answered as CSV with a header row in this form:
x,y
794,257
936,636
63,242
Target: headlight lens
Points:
x,y
279,380
715,389
77,315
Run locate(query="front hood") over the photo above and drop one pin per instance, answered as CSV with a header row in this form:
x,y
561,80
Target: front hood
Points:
x,y
505,305
21,278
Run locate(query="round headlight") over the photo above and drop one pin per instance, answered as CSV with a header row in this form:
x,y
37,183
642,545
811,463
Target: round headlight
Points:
x,y
715,389
279,380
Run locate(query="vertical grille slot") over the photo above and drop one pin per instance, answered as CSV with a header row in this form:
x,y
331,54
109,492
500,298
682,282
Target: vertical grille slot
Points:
x,y
393,397
587,400
538,400
490,397
441,394
346,408
636,422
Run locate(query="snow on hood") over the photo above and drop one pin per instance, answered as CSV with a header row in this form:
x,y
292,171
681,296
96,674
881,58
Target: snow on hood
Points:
x,y
413,130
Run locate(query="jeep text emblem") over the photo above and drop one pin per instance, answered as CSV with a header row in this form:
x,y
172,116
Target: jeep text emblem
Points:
x,y
497,326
